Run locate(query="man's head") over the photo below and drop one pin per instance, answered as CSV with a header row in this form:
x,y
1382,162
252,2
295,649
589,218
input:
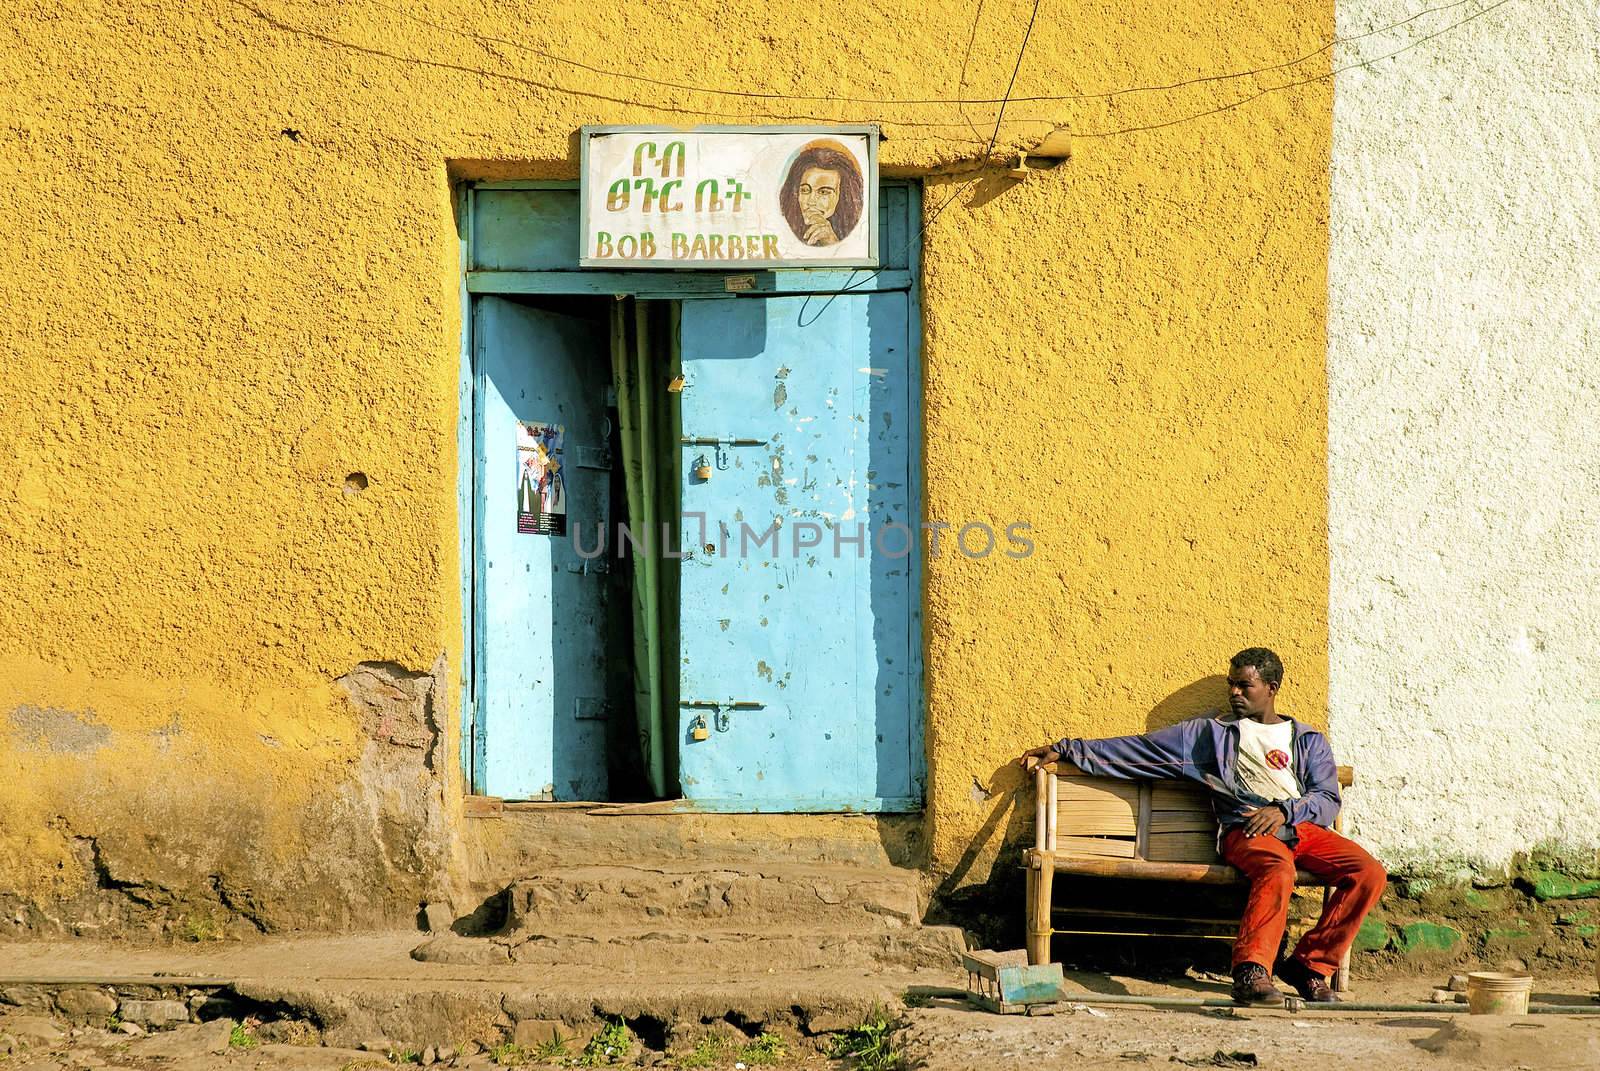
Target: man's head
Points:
x,y
1254,675
834,192
819,194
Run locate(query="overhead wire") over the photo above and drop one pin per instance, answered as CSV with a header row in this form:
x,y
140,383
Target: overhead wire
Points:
x,y
1003,101
534,83
689,87
1292,85
1022,51
278,23
966,57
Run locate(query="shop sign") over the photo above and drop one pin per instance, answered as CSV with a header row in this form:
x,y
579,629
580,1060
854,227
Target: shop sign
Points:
x,y
730,197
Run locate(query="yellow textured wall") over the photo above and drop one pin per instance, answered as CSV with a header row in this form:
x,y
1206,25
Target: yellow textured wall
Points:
x,y
232,283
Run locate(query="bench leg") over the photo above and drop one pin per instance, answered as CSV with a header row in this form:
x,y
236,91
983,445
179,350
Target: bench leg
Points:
x,y
1041,883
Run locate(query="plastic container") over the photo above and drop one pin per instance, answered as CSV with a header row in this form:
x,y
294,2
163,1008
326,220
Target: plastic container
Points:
x,y
1497,993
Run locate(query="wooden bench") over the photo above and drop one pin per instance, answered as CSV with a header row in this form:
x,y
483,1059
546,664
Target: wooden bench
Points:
x,y
1151,830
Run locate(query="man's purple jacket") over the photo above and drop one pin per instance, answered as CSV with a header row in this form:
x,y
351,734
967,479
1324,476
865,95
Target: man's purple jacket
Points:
x,y
1206,749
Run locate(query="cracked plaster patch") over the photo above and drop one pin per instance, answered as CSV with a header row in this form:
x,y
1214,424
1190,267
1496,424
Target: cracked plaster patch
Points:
x,y
62,731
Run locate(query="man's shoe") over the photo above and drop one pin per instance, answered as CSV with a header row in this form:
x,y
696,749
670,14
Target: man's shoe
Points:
x,y
1252,984
1307,982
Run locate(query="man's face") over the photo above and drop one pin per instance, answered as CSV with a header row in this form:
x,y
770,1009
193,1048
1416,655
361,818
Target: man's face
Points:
x,y
819,194
1248,694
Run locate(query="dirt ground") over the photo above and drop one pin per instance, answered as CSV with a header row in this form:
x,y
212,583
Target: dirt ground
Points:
x,y
947,1038
718,1019
941,1037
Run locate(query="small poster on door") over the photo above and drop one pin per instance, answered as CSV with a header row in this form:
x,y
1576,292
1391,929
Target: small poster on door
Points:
x,y
541,485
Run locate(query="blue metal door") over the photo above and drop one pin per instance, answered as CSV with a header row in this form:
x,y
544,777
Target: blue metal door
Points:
x,y
542,695
798,684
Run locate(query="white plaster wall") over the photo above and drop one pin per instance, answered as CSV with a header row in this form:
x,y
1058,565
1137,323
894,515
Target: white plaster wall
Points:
x,y
1464,430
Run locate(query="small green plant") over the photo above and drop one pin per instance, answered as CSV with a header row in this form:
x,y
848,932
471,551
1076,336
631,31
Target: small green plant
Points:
x,y
707,1052
508,1054
113,1022
405,1056
607,1047
870,1046
198,928
240,1037
552,1051
766,1049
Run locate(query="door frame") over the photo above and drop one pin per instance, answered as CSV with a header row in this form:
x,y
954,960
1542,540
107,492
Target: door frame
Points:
x,y
569,280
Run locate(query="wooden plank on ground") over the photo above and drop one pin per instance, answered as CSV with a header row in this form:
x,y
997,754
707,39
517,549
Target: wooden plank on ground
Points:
x,y
986,963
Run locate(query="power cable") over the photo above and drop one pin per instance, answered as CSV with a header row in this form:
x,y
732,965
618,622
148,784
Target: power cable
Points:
x,y
278,23
1292,85
689,87
999,117
966,57
534,83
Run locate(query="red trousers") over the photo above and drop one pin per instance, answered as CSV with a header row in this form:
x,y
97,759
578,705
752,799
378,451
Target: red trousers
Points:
x,y
1269,863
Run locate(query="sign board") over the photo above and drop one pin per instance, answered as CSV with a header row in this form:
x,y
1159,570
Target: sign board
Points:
x,y
729,197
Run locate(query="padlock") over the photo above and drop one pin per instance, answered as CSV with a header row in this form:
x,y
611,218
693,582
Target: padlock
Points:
x,y
702,468
699,730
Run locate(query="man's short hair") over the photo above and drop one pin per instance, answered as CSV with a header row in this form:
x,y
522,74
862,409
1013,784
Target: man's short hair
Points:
x,y
1267,664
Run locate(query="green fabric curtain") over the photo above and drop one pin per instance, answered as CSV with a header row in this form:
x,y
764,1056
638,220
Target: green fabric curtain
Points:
x,y
644,361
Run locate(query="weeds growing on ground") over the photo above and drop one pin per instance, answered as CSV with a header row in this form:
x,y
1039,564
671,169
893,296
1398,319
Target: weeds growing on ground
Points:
x,y
241,1038
766,1049
198,928
552,1051
508,1054
607,1047
870,1046
709,1051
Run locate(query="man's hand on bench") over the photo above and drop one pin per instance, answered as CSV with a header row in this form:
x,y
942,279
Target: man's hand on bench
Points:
x,y
1043,755
1265,821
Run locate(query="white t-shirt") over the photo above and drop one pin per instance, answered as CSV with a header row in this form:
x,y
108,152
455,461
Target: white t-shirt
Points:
x,y
1266,759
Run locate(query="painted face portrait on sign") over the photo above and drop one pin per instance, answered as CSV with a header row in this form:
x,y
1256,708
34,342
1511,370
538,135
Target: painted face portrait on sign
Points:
x,y
822,195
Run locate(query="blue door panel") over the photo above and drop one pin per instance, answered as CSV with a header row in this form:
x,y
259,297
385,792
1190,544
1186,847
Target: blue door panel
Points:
x,y
543,697
806,649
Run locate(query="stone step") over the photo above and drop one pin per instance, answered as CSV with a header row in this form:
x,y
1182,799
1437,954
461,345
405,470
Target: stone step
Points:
x,y
533,838
731,950
686,897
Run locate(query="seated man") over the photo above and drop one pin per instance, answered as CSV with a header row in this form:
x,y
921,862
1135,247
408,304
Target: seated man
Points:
x,y
1276,792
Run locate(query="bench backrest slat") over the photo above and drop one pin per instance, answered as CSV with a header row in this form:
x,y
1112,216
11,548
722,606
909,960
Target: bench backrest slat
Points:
x,y
1154,821
1192,847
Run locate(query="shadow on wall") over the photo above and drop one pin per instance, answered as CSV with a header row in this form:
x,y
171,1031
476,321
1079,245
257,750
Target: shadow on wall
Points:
x,y
992,907
1204,697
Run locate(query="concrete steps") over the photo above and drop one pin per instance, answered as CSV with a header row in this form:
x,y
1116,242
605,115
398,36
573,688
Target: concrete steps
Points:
x,y
732,951
528,839
721,915
681,895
